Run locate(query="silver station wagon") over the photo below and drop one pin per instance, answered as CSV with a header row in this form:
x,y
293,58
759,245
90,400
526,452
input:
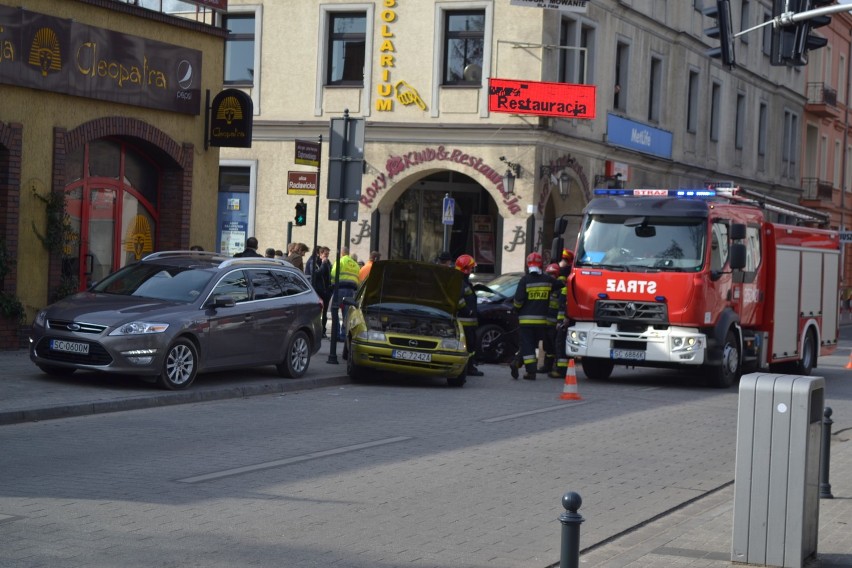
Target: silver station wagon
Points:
x,y
175,314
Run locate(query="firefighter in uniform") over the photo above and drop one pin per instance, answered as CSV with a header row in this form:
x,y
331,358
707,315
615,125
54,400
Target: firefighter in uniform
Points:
x,y
468,313
555,316
532,302
566,265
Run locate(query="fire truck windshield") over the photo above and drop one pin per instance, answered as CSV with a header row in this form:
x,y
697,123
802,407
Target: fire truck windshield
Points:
x,y
643,244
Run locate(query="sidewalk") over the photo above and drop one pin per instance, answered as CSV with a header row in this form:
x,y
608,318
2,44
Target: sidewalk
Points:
x,y
698,534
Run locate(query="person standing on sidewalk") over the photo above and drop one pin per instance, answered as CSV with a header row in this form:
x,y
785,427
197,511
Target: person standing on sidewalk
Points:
x,y
468,311
345,272
532,302
550,347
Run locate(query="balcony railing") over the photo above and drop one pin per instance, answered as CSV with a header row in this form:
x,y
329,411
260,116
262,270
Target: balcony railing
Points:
x,y
819,94
815,188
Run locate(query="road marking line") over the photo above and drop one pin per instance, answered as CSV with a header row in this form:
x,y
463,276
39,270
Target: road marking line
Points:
x,y
290,461
531,412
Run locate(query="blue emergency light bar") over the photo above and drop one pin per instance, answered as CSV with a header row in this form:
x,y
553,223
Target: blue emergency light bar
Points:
x,y
656,192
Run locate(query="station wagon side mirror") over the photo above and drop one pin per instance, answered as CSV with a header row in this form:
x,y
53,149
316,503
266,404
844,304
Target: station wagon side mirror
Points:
x,y
221,301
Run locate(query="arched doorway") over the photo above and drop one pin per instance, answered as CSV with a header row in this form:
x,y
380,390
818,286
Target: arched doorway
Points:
x,y
417,230
112,201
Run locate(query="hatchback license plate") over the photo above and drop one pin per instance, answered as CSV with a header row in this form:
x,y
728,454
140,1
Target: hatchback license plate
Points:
x,y
628,354
69,346
411,356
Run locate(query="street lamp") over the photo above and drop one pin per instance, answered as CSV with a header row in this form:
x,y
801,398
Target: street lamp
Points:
x,y
612,182
513,172
563,181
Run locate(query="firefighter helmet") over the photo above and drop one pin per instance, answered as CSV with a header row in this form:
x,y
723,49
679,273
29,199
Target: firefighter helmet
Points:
x,y
567,255
465,263
534,260
552,269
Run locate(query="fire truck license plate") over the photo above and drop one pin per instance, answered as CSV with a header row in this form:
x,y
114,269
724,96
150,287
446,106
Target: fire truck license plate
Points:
x,y
411,356
629,354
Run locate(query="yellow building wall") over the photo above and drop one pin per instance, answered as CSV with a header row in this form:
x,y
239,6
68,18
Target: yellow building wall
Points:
x,y
41,111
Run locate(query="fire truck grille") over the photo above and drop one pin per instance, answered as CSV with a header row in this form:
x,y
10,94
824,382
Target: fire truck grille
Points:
x,y
634,312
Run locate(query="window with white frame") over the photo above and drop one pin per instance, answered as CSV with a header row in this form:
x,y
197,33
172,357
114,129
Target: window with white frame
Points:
x,y
790,145
761,130
576,61
240,48
692,103
767,34
715,109
655,89
464,47
838,161
745,19
739,133
622,67
347,40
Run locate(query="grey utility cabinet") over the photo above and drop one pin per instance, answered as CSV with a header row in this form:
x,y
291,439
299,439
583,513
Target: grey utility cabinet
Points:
x,y
776,485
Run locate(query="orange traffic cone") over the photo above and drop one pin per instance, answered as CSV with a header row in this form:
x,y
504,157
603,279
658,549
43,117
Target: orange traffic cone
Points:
x,y
849,364
569,391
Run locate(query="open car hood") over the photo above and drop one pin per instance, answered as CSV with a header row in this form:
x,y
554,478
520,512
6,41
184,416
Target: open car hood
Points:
x,y
412,282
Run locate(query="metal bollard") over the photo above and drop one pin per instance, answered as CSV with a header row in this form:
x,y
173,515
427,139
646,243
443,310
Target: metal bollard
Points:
x,y
824,485
570,556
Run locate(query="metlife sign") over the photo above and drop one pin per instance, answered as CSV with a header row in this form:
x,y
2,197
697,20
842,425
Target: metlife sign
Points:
x,y
563,5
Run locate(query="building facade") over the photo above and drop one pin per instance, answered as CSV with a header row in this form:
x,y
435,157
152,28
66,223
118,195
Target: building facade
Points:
x,y
102,144
663,114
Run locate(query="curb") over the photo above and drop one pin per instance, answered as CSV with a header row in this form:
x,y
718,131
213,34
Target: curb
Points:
x,y
168,399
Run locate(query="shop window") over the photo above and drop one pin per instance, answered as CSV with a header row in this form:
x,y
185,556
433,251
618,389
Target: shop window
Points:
x,y
346,46
464,46
240,61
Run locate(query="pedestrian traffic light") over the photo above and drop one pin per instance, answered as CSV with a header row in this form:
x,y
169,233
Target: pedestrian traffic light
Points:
x,y
301,213
723,31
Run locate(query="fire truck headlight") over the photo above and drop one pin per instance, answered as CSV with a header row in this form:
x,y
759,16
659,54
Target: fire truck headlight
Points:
x,y
689,343
577,337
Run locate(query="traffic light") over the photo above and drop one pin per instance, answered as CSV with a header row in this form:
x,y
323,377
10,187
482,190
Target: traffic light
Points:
x,y
301,213
805,40
791,43
723,31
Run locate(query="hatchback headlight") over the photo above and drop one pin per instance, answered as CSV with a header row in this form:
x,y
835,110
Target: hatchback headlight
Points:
x,y
372,335
140,328
453,344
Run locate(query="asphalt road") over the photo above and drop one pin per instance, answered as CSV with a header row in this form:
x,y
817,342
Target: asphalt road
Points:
x,y
390,473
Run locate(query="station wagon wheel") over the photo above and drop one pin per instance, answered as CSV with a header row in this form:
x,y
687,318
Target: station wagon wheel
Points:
x,y
297,357
180,365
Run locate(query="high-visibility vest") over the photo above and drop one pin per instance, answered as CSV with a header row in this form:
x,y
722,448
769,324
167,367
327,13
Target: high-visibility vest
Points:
x,y
349,270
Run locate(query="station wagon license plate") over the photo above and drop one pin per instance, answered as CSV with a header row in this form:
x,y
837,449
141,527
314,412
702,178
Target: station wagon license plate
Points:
x,y
69,346
411,356
628,354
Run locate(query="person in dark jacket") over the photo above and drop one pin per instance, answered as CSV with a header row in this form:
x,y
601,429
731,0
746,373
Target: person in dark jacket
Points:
x,y
468,312
532,302
250,250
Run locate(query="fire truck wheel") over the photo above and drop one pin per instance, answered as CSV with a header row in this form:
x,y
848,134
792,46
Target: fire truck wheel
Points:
x,y
728,372
597,369
809,355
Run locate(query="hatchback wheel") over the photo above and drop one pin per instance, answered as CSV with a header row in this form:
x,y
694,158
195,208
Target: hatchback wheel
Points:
x,y
180,365
297,357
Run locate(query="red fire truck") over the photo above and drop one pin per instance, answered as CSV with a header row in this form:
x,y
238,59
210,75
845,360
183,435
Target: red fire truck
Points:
x,y
692,279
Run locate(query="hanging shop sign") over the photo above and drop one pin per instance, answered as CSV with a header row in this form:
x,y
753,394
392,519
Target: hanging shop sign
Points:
x,y
231,119
575,6
563,100
389,88
64,56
